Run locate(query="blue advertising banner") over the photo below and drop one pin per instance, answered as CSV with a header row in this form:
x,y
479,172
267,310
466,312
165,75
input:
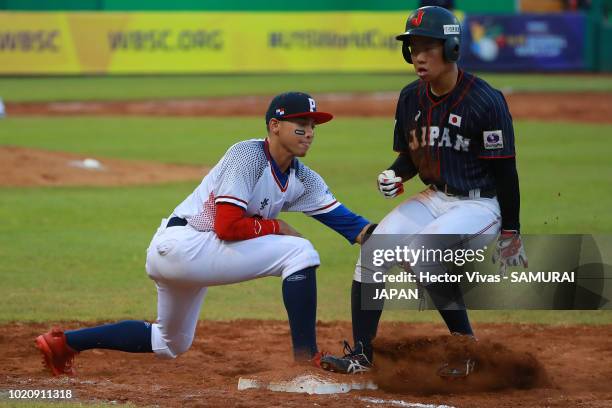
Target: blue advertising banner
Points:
x,y
524,42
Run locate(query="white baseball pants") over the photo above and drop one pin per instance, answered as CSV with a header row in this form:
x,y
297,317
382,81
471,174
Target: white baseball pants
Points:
x,y
184,262
476,221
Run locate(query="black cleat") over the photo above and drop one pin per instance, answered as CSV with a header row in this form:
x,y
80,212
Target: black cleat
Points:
x,y
354,361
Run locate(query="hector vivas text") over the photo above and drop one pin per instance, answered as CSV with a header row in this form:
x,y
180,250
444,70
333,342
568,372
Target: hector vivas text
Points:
x,y
408,258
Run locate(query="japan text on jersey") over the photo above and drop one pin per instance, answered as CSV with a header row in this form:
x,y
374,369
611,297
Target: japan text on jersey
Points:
x,y
450,138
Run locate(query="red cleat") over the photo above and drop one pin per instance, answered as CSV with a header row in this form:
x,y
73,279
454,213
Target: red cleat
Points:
x,y
316,359
57,355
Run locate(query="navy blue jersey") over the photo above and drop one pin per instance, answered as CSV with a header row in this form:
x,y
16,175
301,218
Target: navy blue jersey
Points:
x,y
449,139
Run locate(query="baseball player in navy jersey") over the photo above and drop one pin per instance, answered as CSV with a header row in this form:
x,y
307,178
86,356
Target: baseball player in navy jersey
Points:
x,y
455,132
227,231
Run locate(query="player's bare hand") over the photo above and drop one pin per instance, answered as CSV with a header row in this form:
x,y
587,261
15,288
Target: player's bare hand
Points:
x,y
286,229
389,184
509,251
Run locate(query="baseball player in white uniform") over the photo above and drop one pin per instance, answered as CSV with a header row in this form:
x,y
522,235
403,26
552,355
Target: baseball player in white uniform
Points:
x,y
227,231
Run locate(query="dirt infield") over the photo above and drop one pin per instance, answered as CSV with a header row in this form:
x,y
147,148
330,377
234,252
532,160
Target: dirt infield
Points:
x,y
567,107
20,166
575,358
496,367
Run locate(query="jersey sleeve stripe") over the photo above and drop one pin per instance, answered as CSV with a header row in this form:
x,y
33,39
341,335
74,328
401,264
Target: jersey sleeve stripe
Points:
x,y
231,200
325,209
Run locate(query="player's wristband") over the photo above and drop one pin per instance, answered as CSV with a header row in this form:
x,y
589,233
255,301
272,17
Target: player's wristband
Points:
x,y
507,233
368,233
275,226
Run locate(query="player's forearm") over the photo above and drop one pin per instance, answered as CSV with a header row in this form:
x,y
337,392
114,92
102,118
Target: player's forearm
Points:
x,y
403,167
344,222
508,192
232,225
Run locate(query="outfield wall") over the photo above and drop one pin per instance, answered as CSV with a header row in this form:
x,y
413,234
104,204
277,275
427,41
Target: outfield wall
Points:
x,y
220,42
526,42
476,6
57,43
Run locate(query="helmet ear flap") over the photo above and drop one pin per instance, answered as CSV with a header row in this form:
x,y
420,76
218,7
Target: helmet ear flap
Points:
x,y
452,49
406,52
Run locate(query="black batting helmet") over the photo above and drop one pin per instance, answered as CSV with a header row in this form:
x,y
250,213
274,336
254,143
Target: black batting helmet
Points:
x,y
434,22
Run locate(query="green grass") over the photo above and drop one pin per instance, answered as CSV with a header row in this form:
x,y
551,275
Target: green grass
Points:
x,y
197,86
550,82
78,253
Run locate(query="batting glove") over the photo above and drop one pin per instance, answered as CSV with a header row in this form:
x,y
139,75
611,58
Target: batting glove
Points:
x,y
389,185
509,251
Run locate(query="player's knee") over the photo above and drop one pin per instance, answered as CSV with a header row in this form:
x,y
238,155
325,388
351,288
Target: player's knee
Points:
x,y
307,249
303,255
164,353
170,348
181,346
301,247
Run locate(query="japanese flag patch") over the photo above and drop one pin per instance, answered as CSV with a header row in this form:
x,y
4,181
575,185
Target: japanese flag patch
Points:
x,y
454,120
493,139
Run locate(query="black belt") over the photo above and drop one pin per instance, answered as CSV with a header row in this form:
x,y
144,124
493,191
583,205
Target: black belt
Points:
x,y
451,191
176,222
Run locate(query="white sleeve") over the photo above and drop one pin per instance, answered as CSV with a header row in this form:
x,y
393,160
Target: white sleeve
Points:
x,y
315,198
238,173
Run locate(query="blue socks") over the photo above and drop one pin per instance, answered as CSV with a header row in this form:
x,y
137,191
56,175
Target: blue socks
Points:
x,y
448,299
365,322
300,297
130,335
457,321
